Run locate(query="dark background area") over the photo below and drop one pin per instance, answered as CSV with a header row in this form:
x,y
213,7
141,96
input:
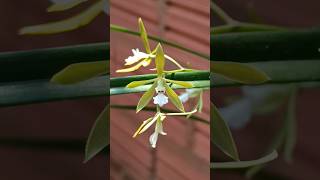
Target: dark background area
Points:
x,y
46,140
254,138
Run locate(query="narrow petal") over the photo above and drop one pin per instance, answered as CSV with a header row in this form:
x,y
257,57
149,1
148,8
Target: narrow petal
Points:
x,y
149,124
130,69
153,139
159,128
141,126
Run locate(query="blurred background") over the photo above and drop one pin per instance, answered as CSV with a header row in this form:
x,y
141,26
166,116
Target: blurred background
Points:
x,y
46,140
184,152
254,130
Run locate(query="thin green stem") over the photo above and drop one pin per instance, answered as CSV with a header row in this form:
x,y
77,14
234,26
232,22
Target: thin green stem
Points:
x,y
174,62
117,28
153,109
244,164
222,14
244,27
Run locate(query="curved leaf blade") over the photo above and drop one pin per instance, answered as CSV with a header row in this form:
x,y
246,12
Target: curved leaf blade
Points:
x,y
245,164
99,135
69,24
64,5
78,72
221,135
238,72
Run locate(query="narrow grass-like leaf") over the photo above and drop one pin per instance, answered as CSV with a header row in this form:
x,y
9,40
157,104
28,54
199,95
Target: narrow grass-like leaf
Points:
x,y
80,71
174,98
221,135
139,83
238,72
144,36
244,27
146,97
266,46
245,164
290,127
62,6
99,135
181,83
69,24
44,63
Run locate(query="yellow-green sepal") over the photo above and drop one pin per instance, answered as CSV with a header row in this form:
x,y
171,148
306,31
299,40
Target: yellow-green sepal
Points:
x,y
174,98
160,60
141,126
139,83
146,97
181,83
144,36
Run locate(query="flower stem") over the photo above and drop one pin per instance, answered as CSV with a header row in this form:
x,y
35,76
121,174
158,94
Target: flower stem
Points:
x,y
223,15
174,61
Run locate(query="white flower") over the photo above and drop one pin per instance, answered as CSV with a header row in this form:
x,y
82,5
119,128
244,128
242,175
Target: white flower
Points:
x,y
160,99
158,130
137,56
184,97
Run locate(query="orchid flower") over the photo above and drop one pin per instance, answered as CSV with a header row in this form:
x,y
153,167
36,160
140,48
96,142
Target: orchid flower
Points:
x,y
144,59
159,86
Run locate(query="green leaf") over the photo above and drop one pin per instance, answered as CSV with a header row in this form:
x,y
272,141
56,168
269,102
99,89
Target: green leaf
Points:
x,y
200,102
221,134
80,71
99,135
160,60
239,72
181,83
144,36
245,164
174,98
146,97
139,83
290,127
64,5
69,24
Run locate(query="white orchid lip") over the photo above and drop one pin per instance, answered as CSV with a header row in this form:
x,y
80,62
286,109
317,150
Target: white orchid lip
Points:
x,y
160,99
137,56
